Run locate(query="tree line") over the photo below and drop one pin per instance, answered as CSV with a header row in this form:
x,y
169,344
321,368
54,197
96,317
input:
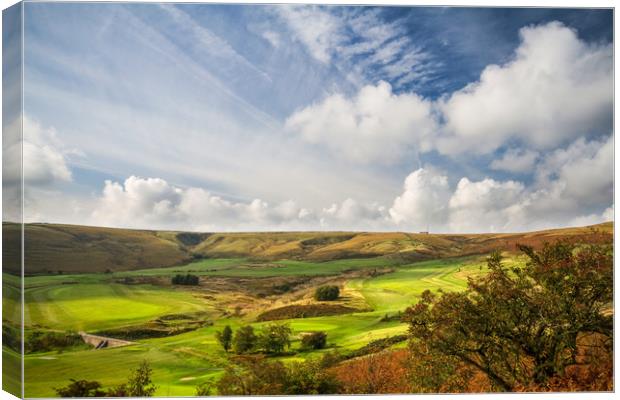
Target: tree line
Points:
x,y
271,339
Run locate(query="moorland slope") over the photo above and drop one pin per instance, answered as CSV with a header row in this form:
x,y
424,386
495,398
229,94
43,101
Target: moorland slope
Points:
x,y
51,248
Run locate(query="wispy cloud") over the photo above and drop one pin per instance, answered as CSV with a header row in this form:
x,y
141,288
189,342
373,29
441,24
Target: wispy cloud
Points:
x,y
360,43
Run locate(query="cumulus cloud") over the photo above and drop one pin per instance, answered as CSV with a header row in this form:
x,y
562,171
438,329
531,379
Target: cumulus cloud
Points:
x,y
156,204
573,186
556,89
352,215
424,201
375,126
486,205
45,158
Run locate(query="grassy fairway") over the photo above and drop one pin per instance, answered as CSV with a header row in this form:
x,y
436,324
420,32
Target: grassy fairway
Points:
x,y
91,302
397,290
94,306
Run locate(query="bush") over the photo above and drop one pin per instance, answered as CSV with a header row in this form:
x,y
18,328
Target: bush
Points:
x,y
191,280
43,341
327,293
314,340
81,388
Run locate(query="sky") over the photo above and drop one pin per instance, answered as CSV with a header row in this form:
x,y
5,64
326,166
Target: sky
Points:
x,y
286,117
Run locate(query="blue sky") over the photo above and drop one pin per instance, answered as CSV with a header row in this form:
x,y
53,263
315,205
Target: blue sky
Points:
x,y
231,117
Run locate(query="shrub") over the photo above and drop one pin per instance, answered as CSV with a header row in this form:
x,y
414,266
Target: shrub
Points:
x,y
188,279
327,293
314,340
81,388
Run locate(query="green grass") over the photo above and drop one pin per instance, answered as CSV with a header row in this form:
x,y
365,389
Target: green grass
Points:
x,y
183,361
95,306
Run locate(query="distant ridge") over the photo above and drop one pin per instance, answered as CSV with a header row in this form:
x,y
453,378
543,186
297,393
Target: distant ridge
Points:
x,y
55,248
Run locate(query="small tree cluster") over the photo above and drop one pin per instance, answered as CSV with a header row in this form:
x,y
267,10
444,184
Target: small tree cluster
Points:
x,y
327,293
187,279
273,338
138,385
314,341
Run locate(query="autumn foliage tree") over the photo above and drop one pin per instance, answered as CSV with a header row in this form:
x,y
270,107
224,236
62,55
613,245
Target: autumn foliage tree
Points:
x,y
518,326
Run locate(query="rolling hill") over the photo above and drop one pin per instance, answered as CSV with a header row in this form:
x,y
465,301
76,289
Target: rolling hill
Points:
x,y
51,248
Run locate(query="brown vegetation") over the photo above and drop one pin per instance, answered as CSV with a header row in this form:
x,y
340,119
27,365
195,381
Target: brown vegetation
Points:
x,y
304,311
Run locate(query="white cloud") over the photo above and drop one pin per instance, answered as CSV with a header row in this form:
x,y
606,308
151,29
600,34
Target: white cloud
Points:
x,y
573,186
45,156
317,29
272,37
154,203
338,37
351,215
424,201
556,89
375,126
516,161
484,206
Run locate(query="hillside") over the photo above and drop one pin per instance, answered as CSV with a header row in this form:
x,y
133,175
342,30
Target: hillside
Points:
x,y
68,248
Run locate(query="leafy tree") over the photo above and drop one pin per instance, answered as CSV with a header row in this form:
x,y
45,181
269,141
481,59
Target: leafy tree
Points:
x,y
253,376
244,340
327,293
314,340
81,388
274,338
225,337
310,377
519,326
140,383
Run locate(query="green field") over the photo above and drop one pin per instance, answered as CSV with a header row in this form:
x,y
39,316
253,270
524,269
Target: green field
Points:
x,y
93,302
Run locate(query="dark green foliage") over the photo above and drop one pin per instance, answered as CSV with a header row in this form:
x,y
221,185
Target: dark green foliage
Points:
x,y
327,293
224,337
11,336
188,279
244,340
257,376
253,376
314,340
42,341
310,377
139,384
274,338
81,388
519,326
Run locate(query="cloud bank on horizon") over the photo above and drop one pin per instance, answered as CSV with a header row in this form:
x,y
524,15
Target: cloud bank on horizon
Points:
x,y
233,118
